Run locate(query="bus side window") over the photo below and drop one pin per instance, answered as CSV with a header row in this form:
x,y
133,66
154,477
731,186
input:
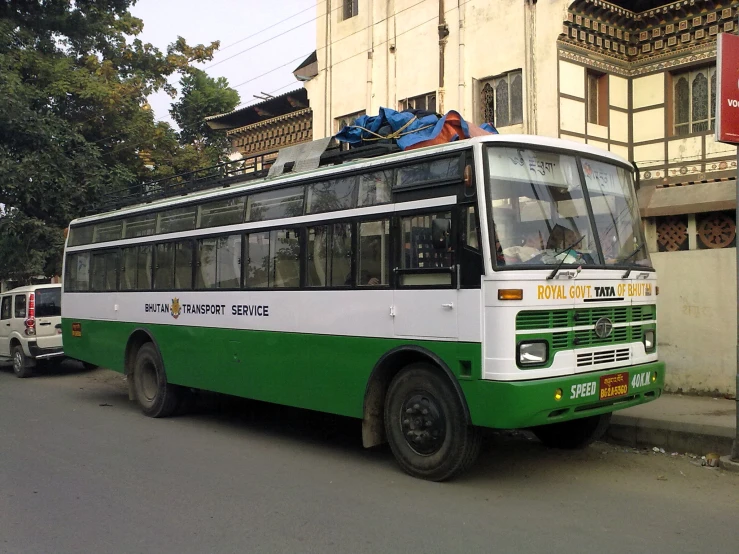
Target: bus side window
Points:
x,y
273,259
373,254
284,252
183,256
218,263
136,268
129,265
77,272
164,270
173,266
104,271
329,255
257,261
424,261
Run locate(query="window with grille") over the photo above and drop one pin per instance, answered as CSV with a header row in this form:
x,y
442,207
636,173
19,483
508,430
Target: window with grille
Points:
x,y
694,101
348,119
423,102
351,8
501,100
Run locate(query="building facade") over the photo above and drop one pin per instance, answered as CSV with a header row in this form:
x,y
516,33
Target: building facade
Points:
x,y
636,77
262,128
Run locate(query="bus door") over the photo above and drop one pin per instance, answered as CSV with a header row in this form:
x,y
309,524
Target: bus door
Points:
x,y
425,302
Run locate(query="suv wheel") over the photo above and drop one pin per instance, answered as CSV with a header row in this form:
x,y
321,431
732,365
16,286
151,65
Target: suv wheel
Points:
x,y
22,366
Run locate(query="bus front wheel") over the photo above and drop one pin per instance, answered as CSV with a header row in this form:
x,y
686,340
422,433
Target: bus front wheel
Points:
x,y
156,397
575,434
426,425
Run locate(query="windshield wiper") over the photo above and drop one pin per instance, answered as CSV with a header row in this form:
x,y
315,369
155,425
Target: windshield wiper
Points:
x,y
627,258
554,272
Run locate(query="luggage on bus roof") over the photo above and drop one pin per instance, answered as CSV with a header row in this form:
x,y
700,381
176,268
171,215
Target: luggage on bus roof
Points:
x,y
411,129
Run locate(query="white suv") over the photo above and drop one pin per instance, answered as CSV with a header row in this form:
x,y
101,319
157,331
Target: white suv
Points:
x,y
31,326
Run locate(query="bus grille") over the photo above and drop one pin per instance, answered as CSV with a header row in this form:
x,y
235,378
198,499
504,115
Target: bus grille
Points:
x,y
553,319
603,357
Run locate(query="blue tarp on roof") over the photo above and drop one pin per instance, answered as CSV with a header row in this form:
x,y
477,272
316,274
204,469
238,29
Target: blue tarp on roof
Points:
x,y
408,128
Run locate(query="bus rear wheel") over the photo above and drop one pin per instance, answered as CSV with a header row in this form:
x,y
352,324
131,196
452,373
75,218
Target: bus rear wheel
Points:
x,y
156,397
426,425
575,434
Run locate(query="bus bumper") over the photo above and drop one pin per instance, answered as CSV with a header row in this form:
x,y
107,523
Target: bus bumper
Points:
x,y
520,404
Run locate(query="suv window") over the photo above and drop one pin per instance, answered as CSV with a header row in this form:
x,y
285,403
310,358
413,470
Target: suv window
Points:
x,y
20,306
49,302
6,307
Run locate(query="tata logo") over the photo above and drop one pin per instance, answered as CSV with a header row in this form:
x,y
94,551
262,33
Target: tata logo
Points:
x,y
603,328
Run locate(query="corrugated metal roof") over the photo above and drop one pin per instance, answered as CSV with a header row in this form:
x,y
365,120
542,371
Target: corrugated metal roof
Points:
x,y
277,105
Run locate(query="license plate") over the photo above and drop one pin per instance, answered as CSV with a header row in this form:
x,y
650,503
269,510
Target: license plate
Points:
x,y
614,385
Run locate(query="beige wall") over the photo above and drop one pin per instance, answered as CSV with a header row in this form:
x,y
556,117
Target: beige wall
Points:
x,y
696,319
572,110
404,59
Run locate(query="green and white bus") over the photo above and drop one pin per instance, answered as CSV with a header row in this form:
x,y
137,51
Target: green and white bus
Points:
x,y
499,282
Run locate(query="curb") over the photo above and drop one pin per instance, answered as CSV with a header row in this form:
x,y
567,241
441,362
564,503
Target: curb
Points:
x,y
670,435
729,465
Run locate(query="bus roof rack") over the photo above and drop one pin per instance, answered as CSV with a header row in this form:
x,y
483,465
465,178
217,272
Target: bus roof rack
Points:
x,y
258,166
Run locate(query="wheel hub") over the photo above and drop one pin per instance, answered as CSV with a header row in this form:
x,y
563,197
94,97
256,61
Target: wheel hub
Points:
x,y
17,362
149,383
423,424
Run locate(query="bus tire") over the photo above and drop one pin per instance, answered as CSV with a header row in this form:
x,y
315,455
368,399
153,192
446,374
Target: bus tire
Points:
x,y
575,434
426,425
156,397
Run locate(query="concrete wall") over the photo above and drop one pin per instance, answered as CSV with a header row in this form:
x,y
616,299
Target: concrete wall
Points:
x,y
696,319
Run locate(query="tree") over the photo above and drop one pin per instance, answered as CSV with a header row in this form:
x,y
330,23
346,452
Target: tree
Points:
x,y
203,96
73,117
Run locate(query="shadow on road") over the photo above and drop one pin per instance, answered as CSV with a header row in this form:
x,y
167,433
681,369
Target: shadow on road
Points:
x,y
51,368
513,456
277,420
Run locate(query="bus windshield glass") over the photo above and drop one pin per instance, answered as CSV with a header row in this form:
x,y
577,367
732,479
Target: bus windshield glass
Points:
x,y
541,214
539,211
612,196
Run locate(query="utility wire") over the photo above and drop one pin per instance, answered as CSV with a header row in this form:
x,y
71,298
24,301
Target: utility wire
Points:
x,y
303,56
314,6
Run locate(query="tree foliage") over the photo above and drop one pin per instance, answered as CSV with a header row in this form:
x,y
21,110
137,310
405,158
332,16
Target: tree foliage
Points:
x,y
74,79
203,96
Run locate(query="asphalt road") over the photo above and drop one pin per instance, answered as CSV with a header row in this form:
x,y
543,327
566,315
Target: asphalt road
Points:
x,y
81,470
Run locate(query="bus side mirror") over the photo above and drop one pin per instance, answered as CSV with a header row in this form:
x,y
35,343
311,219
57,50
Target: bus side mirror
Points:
x,y
440,231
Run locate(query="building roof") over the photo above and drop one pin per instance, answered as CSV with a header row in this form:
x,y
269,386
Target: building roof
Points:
x,y
292,101
308,69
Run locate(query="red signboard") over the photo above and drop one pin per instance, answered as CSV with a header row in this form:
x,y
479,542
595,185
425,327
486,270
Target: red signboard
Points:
x,y
727,71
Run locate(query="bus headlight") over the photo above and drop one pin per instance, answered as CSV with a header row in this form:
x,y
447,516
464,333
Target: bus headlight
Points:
x,y
649,344
533,353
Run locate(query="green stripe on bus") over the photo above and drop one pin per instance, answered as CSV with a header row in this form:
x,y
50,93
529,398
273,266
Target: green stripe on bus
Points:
x,y
327,373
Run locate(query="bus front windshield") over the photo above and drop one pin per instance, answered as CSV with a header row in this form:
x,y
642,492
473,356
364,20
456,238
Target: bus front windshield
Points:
x,y
541,216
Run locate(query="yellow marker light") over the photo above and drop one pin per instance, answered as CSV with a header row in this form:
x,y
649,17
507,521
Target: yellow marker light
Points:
x,y
468,182
558,394
654,377
510,294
